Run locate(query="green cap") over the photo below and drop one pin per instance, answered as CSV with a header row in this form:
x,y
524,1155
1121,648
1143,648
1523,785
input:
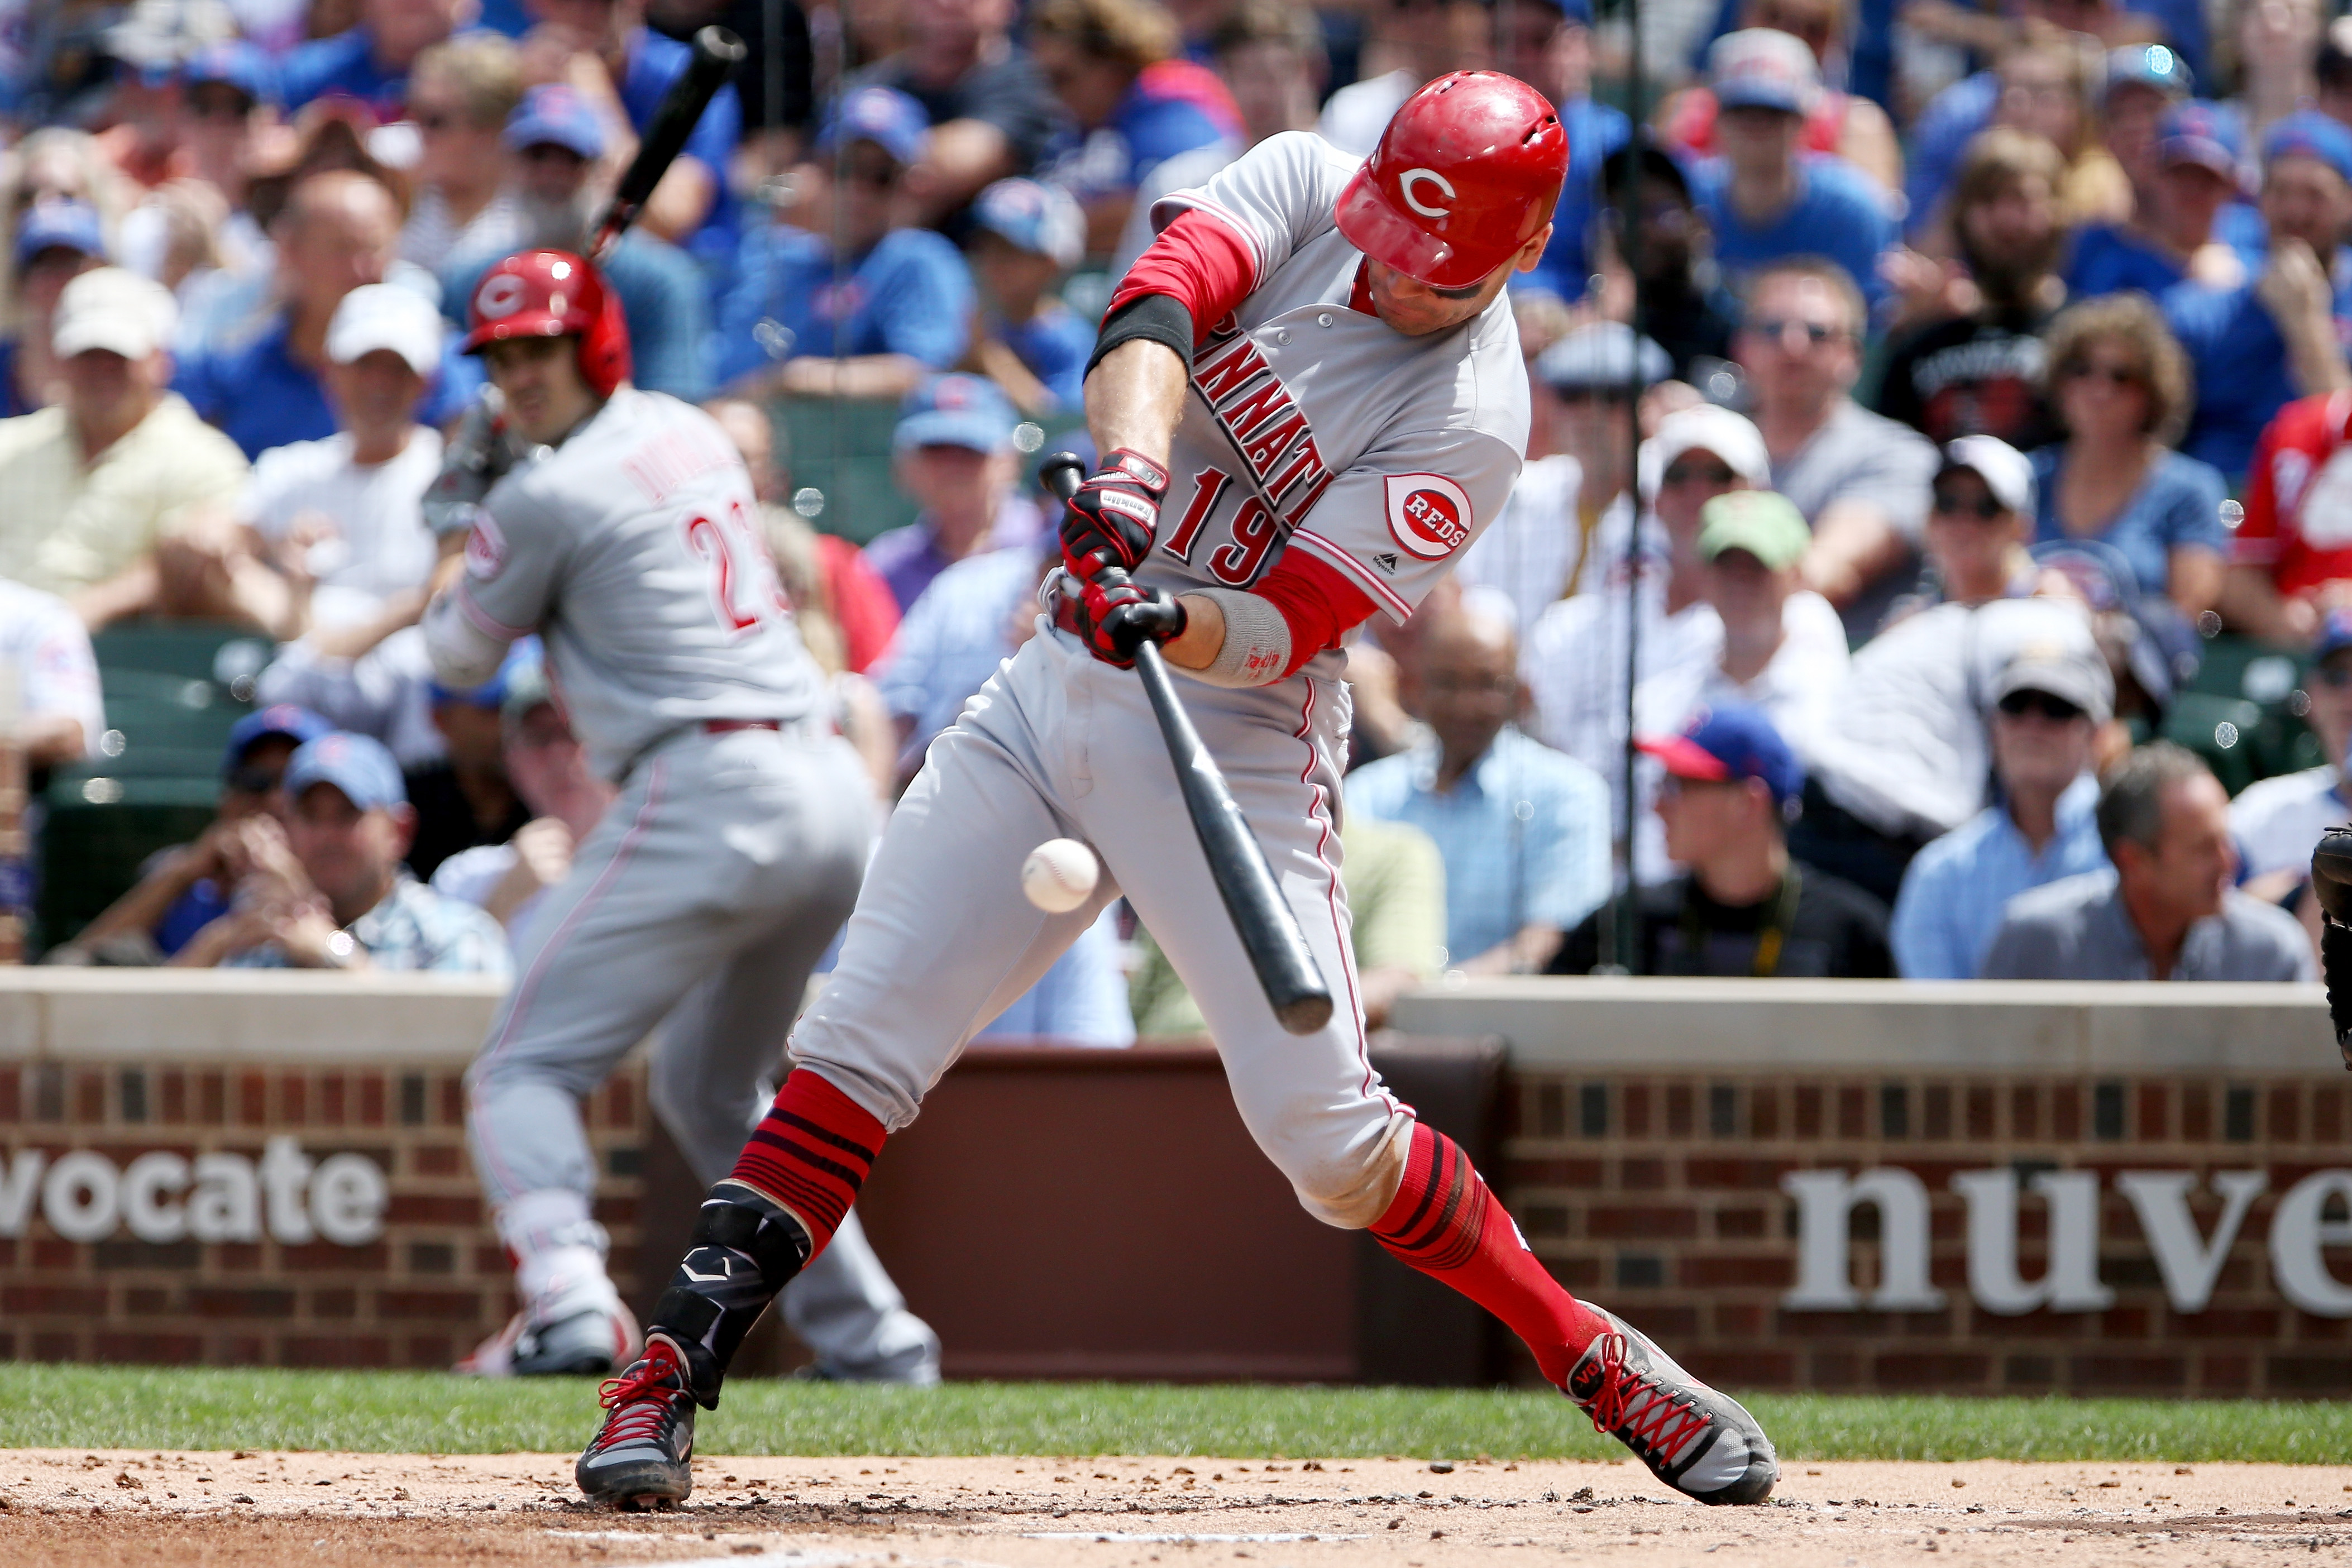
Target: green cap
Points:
x,y
1764,523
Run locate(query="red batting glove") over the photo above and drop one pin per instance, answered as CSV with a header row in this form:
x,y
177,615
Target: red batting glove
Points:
x,y
1112,519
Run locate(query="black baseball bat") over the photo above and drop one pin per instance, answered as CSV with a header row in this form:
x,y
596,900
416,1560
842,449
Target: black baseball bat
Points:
x,y
717,53
1286,967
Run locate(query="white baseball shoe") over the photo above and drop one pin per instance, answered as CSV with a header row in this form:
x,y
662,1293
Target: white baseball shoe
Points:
x,y
574,1329
1698,1441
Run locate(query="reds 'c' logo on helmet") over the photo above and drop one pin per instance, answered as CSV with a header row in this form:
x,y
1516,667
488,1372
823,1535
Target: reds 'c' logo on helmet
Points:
x,y
1468,171
553,294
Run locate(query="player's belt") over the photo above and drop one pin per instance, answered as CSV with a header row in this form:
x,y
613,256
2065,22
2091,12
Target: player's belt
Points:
x,y
729,726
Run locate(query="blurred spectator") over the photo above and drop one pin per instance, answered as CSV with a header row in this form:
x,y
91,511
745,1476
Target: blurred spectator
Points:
x,y
1860,478
335,895
2048,704
1270,53
1970,362
564,796
341,516
602,49
1905,759
262,387
1575,661
952,454
2278,51
2277,821
1133,103
2184,223
777,83
1569,517
1025,238
1549,45
2165,909
2332,72
1852,128
2120,386
2137,87
56,242
1396,927
466,799
986,103
1523,830
1744,907
98,483
463,92
1764,198
374,678
371,61
2277,336
2044,92
858,613
1410,42
186,887
52,680
228,93
2290,558
1685,307
905,308
553,140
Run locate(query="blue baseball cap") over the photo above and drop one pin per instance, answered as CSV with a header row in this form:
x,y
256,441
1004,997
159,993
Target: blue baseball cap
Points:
x,y
2310,134
1733,742
883,115
2148,65
1044,220
356,765
955,410
298,723
555,115
59,225
2213,135
236,63
2334,636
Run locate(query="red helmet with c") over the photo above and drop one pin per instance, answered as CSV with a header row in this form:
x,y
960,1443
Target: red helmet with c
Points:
x,y
551,294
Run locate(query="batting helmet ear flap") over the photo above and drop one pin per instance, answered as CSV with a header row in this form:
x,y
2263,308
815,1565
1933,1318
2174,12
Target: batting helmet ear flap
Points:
x,y
549,294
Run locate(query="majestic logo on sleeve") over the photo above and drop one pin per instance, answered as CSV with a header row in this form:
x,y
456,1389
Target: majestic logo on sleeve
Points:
x,y
1411,177
486,547
1429,514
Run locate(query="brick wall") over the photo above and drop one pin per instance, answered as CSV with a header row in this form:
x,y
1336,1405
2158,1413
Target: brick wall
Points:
x,y
420,1294
1661,1196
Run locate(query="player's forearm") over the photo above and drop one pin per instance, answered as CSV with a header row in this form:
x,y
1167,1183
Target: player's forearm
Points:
x,y
1203,636
1135,396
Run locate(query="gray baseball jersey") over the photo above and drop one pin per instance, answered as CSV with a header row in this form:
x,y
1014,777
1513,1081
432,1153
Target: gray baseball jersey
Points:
x,y
1313,426
636,549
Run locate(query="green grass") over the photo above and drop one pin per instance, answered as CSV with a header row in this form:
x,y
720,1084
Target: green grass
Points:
x,y
133,1407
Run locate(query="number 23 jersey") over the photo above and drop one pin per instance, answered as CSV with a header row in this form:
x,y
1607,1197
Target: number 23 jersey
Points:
x,y
1313,426
636,549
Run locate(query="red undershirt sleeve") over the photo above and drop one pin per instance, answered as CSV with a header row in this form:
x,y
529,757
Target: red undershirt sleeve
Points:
x,y
1319,606
1200,261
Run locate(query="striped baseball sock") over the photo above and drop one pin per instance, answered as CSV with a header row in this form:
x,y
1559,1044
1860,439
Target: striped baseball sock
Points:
x,y
811,1153
1447,1225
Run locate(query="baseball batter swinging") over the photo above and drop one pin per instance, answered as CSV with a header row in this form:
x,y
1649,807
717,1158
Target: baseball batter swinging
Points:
x,y
715,881
1309,396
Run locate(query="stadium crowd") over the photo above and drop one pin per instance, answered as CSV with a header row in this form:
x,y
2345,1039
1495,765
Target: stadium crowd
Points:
x,y
1990,370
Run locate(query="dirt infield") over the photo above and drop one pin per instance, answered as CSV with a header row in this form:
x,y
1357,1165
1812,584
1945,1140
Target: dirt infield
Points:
x,y
131,1510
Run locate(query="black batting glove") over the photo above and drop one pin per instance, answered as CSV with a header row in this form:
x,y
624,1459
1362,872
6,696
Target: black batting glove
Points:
x,y
1111,520
1119,617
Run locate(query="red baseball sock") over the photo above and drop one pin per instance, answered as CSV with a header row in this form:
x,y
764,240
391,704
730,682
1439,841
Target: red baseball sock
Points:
x,y
810,1152
1447,1225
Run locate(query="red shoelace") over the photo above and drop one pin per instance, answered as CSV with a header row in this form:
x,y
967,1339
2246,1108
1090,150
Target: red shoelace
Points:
x,y
639,1399
1665,1424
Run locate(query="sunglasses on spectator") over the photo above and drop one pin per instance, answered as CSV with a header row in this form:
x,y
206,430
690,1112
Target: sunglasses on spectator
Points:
x,y
1615,395
1984,508
2335,676
1684,472
253,780
2057,710
1778,327
2113,374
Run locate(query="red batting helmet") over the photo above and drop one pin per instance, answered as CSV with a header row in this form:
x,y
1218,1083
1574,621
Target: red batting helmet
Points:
x,y
1468,170
547,294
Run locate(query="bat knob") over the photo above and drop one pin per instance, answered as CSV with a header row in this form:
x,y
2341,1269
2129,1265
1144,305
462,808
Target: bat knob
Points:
x,y
1060,473
718,44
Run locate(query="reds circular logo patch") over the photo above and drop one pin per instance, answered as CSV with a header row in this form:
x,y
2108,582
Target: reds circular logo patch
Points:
x,y
500,296
1429,514
486,547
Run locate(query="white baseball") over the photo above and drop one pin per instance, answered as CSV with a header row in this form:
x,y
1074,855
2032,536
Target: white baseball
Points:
x,y
1059,875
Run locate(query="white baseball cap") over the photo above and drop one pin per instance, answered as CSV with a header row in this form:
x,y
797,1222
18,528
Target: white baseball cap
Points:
x,y
1705,428
2007,472
115,310
387,316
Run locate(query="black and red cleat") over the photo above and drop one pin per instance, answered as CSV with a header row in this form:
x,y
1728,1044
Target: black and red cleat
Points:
x,y
641,1455
1698,1441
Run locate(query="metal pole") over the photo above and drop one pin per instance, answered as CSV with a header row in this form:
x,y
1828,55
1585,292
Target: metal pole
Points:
x,y
1629,945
